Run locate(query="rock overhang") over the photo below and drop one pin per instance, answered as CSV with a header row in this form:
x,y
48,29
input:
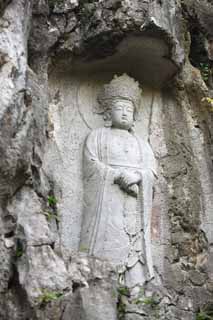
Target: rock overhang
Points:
x,y
147,57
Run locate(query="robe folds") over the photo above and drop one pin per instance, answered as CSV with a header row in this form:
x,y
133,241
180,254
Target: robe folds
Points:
x,y
116,224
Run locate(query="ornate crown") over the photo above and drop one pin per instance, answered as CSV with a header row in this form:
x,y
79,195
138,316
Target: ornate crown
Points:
x,y
122,87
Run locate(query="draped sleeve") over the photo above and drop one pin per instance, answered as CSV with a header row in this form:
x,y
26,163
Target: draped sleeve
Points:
x,y
96,172
149,175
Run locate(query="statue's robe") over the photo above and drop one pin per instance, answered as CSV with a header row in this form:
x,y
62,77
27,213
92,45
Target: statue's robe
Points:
x,y
116,225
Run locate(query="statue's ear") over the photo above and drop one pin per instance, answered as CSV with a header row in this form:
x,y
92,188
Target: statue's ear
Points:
x,y
107,115
108,118
135,115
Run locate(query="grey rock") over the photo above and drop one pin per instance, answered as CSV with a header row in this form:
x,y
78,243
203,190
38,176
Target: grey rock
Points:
x,y
16,123
65,6
197,277
41,7
95,292
47,110
41,270
3,5
32,218
5,267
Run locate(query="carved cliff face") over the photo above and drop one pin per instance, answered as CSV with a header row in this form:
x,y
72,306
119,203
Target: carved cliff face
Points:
x,y
122,114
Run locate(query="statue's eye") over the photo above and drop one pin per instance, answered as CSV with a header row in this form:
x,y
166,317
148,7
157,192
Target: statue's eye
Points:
x,y
129,109
118,108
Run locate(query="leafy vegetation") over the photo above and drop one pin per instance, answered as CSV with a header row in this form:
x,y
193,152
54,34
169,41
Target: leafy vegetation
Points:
x,y
206,313
124,291
51,212
125,299
19,249
48,296
19,252
121,308
83,248
151,301
208,102
204,69
52,201
142,299
50,216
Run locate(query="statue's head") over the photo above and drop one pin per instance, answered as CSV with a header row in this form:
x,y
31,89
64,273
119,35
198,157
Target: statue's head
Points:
x,y
122,114
120,100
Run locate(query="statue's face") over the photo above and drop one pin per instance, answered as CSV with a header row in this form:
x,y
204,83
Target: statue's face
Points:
x,y
122,114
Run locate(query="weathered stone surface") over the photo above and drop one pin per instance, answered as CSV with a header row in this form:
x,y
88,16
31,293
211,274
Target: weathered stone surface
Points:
x,y
41,269
16,126
3,5
121,181
74,48
32,218
93,293
5,266
95,290
15,112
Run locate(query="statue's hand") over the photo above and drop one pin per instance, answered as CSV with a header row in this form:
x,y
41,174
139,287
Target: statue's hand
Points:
x,y
133,190
127,179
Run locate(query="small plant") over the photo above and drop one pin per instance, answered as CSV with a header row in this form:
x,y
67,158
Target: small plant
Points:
x,y
19,252
203,316
141,293
140,297
114,293
50,216
208,103
52,201
121,308
124,291
137,301
48,296
19,249
150,301
83,248
204,69
51,211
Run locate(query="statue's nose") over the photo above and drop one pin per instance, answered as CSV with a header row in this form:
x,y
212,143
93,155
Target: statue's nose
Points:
x,y
124,112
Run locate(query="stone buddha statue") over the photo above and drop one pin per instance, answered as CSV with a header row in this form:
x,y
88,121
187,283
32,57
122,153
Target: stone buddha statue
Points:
x,y
119,169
